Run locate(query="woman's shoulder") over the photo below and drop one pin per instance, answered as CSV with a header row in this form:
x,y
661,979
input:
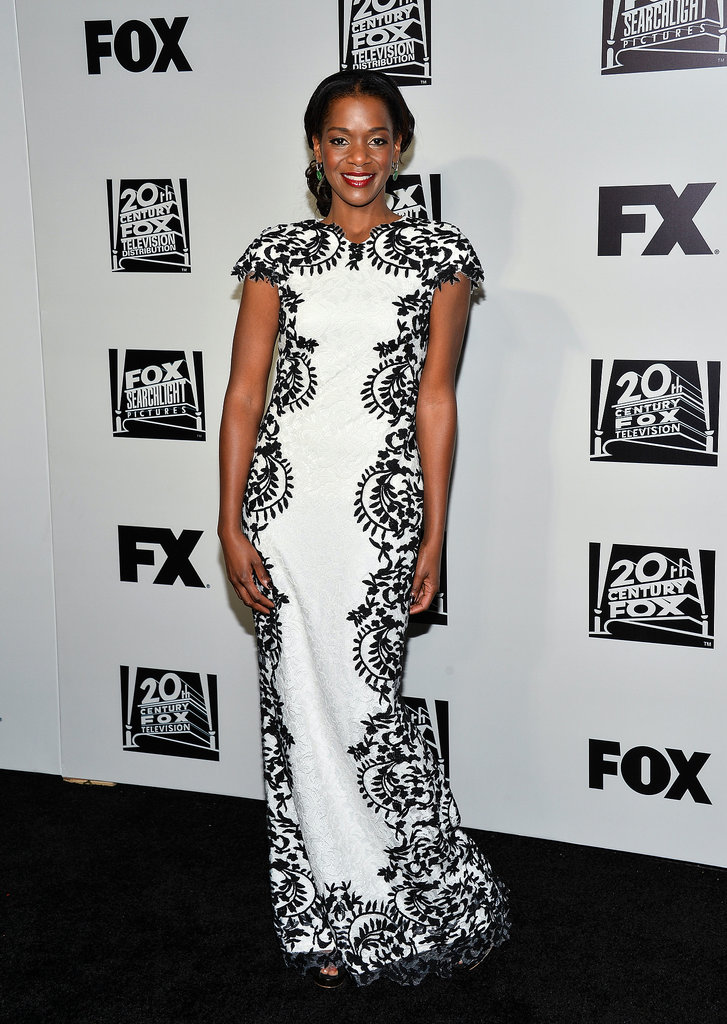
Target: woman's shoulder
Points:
x,y
436,230
285,231
282,248
448,249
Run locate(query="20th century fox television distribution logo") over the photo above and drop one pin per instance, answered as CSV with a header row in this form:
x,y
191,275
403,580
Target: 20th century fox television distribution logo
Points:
x,y
393,36
663,35
169,712
149,225
662,595
661,412
157,394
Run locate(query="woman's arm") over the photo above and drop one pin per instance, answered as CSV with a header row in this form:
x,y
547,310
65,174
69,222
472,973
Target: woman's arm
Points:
x,y
252,353
436,424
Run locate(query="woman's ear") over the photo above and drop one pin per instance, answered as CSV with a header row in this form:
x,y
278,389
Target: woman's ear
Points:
x,y
317,149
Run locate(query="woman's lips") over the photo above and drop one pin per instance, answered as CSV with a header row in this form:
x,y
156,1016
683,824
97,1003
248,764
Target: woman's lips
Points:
x,y
358,180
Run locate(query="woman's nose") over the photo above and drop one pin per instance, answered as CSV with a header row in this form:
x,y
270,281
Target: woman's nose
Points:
x,y
358,153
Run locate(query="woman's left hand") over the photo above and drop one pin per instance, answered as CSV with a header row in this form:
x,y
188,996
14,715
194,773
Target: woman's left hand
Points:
x,y
426,578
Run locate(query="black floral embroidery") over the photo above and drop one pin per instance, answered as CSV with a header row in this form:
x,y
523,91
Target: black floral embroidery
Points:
x,y
440,902
355,255
308,247
271,478
435,252
270,481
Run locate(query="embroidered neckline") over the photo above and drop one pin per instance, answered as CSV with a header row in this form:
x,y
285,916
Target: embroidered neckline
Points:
x,y
375,230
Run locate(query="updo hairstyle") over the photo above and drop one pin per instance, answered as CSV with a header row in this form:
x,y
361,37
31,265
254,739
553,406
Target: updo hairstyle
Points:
x,y
352,83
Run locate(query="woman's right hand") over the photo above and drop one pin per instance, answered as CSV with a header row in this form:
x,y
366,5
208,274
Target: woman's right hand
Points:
x,y
244,568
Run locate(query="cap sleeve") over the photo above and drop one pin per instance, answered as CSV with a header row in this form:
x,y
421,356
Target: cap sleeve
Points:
x,y
261,260
457,257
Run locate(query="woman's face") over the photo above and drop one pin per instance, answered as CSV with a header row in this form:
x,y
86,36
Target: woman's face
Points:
x,y
357,148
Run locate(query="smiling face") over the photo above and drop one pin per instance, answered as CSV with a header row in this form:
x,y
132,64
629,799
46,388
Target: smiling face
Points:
x,y
357,147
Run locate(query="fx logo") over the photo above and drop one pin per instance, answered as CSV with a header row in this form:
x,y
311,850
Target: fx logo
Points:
x,y
647,771
133,552
135,45
677,212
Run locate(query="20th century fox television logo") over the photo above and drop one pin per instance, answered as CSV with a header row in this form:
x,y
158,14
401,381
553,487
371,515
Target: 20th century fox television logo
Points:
x,y
662,595
393,36
663,35
149,225
655,411
170,712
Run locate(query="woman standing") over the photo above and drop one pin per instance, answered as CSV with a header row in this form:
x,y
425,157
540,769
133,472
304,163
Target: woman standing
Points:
x,y
333,504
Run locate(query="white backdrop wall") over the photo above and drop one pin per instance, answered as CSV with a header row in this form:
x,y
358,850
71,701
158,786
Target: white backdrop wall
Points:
x,y
523,130
29,739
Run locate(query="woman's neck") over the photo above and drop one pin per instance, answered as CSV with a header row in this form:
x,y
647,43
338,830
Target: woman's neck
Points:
x,y
357,222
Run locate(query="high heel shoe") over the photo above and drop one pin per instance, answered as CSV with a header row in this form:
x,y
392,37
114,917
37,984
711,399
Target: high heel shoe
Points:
x,y
330,980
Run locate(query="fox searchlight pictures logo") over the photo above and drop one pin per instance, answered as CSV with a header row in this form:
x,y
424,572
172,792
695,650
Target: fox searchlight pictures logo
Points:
x,y
393,36
659,595
655,412
416,196
149,225
665,35
157,394
170,712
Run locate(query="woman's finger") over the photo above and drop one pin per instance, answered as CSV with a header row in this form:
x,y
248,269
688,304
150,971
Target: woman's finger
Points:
x,y
261,574
422,597
250,595
260,602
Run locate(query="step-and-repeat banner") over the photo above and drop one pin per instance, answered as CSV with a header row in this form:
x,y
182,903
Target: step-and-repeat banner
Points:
x,y
571,673
28,674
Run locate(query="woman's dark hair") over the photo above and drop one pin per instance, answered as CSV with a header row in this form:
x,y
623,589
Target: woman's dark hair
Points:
x,y
352,83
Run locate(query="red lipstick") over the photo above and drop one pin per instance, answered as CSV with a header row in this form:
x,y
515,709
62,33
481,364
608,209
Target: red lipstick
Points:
x,y
358,180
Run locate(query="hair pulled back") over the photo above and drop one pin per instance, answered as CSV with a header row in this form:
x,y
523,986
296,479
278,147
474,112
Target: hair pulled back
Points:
x,y
352,83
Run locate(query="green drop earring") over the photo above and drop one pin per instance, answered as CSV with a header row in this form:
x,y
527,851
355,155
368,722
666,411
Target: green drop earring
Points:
x,y
319,172
395,170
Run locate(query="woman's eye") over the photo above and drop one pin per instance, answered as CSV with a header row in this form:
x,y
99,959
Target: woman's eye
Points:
x,y
338,141
379,142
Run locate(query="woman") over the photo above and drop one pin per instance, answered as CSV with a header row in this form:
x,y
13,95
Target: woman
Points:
x,y
333,504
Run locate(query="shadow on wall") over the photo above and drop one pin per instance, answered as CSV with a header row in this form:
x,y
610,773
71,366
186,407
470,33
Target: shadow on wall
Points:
x,y
500,525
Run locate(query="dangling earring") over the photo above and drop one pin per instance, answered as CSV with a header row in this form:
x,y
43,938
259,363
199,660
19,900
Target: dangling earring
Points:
x,y
319,172
395,170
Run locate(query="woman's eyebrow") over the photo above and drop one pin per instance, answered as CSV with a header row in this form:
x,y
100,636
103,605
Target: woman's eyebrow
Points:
x,y
333,128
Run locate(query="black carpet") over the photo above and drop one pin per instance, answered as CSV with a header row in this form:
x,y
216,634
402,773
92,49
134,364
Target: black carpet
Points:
x,y
129,905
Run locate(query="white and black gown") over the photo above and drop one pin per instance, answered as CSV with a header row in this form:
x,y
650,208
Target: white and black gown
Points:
x,y
369,867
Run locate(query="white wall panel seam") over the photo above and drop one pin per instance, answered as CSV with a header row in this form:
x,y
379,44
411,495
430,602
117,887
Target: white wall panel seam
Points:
x,y
43,381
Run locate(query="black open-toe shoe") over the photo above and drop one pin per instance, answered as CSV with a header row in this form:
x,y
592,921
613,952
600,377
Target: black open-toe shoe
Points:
x,y
329,980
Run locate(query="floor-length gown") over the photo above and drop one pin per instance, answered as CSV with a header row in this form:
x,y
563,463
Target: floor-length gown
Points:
x,y
369,867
